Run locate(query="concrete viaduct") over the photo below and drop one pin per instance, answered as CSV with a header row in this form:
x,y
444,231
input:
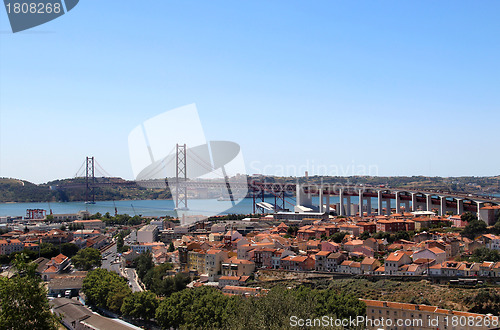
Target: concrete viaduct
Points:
x,y
413,200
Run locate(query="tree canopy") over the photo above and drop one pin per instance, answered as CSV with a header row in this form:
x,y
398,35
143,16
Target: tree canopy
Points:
x,y
486,301
338,237
206,307
274,310
158,278
69,249
143,263
23,300
87,259
474,227
484,254
140,305
105,289
199,308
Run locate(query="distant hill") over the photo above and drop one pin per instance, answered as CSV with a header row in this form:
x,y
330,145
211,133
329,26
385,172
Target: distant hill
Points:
x,y
12,190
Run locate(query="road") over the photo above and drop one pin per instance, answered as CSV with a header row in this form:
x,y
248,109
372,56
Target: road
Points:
x,y
132,278
112,262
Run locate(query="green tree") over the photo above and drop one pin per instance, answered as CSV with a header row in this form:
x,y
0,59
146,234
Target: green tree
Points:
x,y
119,243
23,300
171,247
402,235
199,308
364,235
158,280
96,216
292,230
140,305
48,250
274,310
338,237
474,228
105,289
86,259
468,217
143,263
484,302
69,249
496,227
484,254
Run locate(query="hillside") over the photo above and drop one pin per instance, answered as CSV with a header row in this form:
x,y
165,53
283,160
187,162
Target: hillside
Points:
x,y
421,292
12,190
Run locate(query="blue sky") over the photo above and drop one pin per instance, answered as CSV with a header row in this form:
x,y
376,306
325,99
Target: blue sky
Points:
x,y
399,88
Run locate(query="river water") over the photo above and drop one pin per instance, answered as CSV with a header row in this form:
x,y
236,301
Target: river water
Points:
x,y
142,207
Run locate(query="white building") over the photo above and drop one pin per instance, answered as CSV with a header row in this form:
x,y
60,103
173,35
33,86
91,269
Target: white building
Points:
x,y
147,234
492,241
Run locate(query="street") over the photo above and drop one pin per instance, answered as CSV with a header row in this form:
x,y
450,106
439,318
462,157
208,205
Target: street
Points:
x,y
132,278
112,262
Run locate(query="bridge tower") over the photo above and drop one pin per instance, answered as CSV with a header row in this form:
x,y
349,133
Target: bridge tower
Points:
x,y
181,176
89,181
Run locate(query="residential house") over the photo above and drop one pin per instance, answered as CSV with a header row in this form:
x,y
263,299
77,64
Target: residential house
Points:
x,y
233,280
334,260
213,260
329,246
486,268
298,263
432,253
237,267
243,291
263,257
394,261
368,265
491,241
350,267
320,261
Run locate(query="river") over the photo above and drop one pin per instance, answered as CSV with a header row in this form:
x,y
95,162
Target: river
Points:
x,y
143,207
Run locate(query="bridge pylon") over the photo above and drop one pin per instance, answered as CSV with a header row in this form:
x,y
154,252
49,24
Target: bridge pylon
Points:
x,y
89,181
181,176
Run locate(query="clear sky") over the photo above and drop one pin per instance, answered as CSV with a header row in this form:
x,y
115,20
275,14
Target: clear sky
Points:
x,y
382,87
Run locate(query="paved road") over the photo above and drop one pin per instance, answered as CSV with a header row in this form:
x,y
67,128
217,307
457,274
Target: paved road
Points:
x,y
110,261
132,278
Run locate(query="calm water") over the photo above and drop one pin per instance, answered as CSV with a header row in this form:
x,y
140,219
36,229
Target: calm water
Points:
x,y
151,207
142,207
